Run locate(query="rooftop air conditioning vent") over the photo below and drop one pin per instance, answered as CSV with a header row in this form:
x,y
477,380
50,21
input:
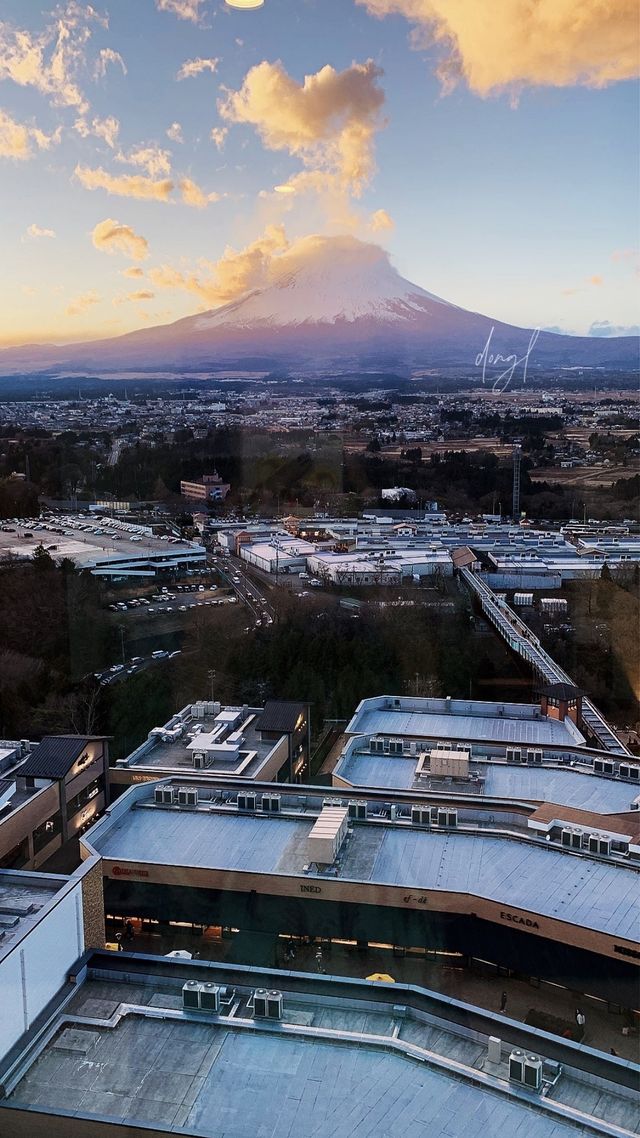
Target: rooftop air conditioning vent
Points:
x,y
274,1004
358,811
271,803
533,1072
516,1066
187,797
246,800
571,839
599,845
260,1003
191,995
627,770
420,815
447,817
603,766
209,998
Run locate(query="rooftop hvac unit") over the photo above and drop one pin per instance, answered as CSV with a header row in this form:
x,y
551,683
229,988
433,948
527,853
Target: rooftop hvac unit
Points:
x,y
447,817
534,756
533,1072
358,811
516,1066
599,845
572,839
271,803
494,1049
274,1004
210,997
191,995
260,1003
629,771
514,755
420,815
246,800
199,760
603,766
187,797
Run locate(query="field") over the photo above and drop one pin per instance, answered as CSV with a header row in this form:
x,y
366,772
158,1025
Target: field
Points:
x,y
596,477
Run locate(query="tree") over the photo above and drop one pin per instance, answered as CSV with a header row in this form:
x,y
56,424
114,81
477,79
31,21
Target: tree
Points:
x,y
42,560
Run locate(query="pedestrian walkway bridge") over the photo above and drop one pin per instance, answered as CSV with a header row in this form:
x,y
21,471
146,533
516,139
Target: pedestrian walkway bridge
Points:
x,y
521,639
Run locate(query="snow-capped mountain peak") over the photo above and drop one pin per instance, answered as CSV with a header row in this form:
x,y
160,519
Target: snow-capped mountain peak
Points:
x,y
323,280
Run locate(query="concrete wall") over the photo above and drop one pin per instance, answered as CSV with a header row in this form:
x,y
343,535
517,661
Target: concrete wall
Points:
x,y
32,972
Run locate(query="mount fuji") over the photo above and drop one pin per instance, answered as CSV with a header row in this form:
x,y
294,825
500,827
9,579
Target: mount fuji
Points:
x,y
329,303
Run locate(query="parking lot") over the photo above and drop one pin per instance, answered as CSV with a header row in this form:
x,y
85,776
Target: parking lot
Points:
x,y
172,599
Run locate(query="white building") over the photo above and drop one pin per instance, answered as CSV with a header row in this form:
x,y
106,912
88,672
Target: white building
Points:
x,y
383,567
283,554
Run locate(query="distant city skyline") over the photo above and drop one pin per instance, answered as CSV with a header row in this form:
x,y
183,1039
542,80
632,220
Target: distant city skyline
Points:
x,y
157,157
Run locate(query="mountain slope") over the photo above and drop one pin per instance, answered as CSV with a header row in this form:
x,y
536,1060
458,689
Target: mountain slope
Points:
x,y
330,302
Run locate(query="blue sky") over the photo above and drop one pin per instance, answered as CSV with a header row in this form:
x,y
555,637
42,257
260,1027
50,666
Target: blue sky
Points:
x,y
520,202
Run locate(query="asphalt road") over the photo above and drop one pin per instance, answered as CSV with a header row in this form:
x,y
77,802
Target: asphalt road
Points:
x,y
248,591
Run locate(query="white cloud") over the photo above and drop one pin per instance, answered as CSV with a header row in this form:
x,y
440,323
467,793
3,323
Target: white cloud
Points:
x,y
106,56
39,231
51,61
141,294
510,44
606,328
329,120
124,185
81,303
192,67
107,129
111,237
17,139
194,196
174,132
219,135
183,9
132,272
381,220
237,271
152,159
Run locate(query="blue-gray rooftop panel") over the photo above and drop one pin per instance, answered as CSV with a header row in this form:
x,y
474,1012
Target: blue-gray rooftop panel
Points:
x,y
419,724
566,787
538,879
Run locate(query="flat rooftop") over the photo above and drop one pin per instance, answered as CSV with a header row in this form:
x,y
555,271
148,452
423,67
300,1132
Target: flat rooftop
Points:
x,y
88,549
564,786
539,879
175,756
442,725
23,896
350,1067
